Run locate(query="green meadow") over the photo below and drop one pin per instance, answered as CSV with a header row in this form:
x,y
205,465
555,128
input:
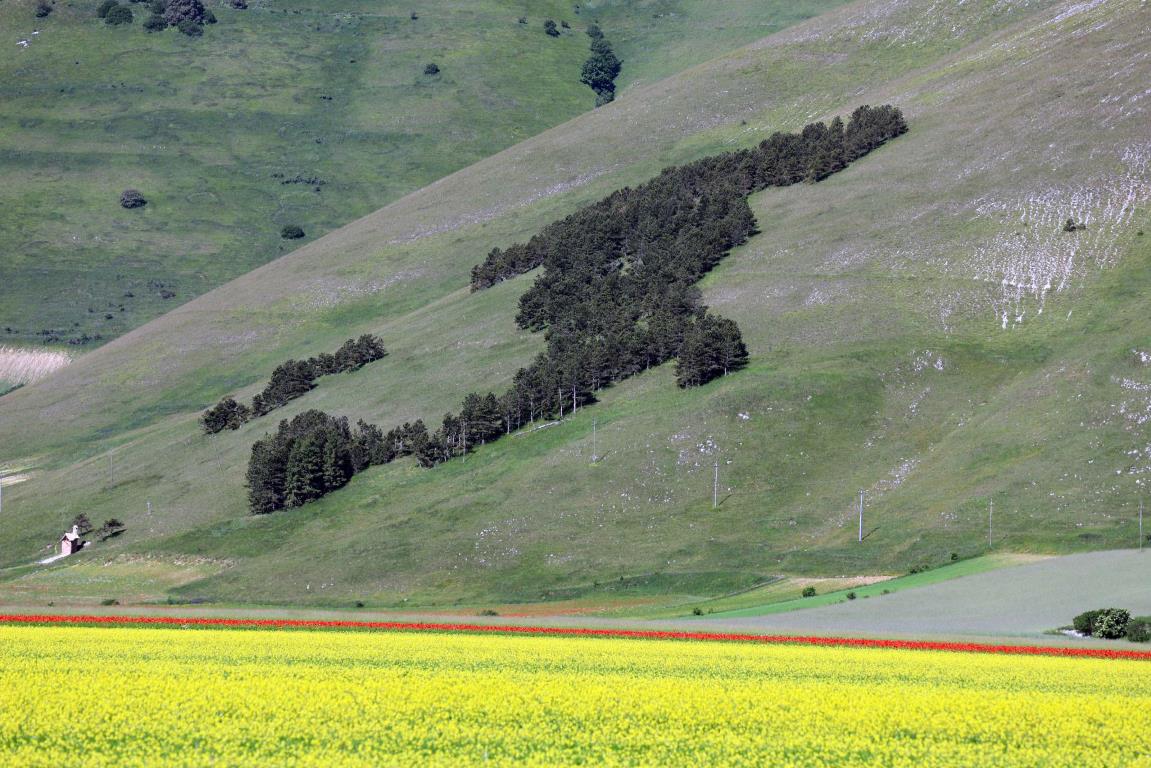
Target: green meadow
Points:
x,y
921,328
288,113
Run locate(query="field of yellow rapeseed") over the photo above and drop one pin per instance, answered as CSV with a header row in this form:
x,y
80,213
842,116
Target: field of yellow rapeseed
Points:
x,y
146,696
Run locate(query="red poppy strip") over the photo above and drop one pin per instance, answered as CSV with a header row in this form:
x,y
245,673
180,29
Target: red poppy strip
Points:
x,y
848,642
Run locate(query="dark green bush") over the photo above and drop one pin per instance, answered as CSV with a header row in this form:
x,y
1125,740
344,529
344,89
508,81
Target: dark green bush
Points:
x,y
697,611
432,68
112,527
600,70
1106,623
121,14
226,414
809,591
104,7
1139,629
851,595
1084,623
131,198
291,232
550,28
155,23
190,28
43,8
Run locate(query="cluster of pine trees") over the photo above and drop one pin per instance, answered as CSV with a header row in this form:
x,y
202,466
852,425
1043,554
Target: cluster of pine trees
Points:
x,y
309,456
316,453
616,296
618,222
291,380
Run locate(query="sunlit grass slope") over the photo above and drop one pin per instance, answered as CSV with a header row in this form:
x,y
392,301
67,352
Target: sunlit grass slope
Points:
x,y
920,327
289,112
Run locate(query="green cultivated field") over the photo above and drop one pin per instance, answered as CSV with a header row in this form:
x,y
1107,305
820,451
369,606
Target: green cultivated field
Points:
x,y
786,594
920,327
1024,600
209,130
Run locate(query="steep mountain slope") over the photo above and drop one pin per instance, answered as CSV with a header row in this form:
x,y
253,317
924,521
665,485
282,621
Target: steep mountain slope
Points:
x,y
920,325
658,38
287,113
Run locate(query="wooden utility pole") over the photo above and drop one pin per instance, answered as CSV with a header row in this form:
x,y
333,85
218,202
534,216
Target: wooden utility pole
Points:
x,y
1140,522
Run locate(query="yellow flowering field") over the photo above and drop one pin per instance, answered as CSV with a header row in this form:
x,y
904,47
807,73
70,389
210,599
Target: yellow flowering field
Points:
x,y
120,696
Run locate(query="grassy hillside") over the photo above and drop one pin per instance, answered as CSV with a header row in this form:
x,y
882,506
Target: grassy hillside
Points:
x,y
214,131
920,327
658,38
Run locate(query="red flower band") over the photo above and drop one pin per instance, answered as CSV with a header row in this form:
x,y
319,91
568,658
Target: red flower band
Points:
x,y
849,642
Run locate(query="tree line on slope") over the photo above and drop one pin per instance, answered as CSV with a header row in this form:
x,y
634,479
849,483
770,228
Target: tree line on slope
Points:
x,y
781,160
291,380
188,16
615,297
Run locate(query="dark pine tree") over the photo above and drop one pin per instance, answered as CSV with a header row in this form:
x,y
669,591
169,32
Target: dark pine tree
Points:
x,y
266,476
712,347
303,477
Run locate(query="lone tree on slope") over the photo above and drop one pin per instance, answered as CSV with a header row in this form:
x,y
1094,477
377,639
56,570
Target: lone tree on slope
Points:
x,y
83,524
177,11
